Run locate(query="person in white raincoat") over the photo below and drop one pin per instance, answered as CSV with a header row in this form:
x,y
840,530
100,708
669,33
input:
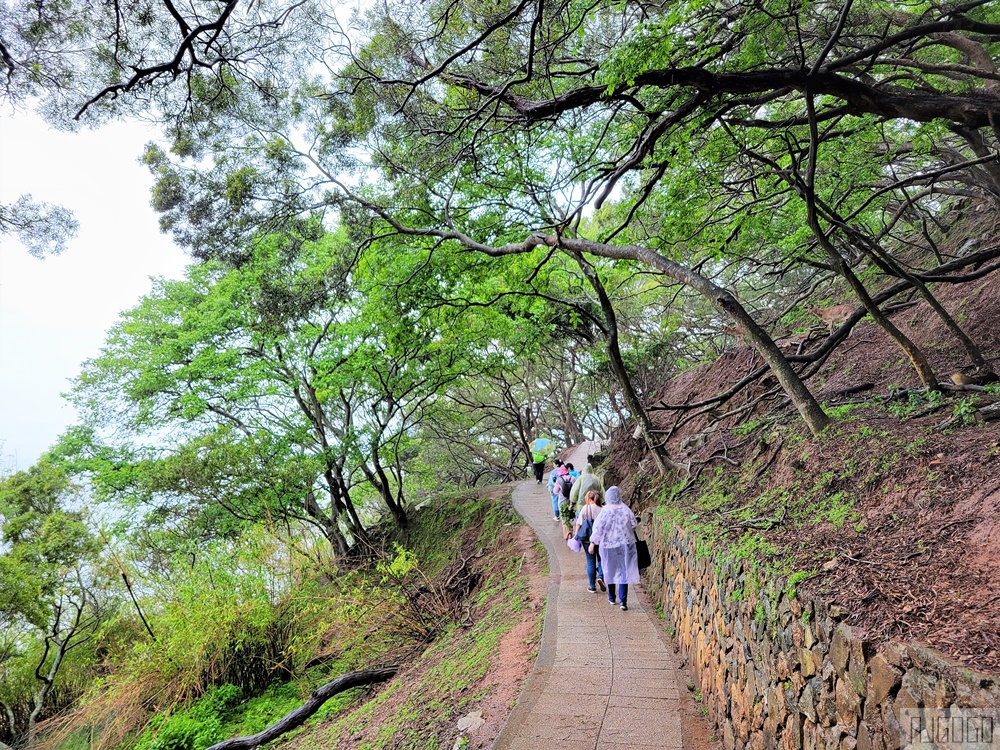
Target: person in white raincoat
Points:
x,y
614,536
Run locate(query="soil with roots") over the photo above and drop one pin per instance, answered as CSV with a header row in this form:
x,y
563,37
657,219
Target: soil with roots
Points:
x,y
914,550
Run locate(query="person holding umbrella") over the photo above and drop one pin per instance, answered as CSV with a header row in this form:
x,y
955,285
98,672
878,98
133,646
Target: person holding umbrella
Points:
x,y
541,449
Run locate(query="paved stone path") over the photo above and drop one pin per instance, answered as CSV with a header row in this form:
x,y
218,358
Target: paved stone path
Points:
x,y
604,679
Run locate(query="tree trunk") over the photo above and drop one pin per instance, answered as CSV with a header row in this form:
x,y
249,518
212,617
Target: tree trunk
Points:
x,y
344,500
663,461
890,265
923,368
328,522
298,717
912,351
48,680
376,476
806,404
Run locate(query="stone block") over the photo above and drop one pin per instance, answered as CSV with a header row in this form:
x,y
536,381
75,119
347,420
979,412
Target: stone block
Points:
x,y
864,737
752,689
895,653
857,671
781,666
848,705
889,737
784,637
757,717
806,663
809,735
840,649
796,682
792,736
828,673
872,711
832,739
798,633
807,704
728,738
826,707
885,678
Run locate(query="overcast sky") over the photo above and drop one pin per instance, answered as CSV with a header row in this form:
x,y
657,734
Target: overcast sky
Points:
x,y
54,312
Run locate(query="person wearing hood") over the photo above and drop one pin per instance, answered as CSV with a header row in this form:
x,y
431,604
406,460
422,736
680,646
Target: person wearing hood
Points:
x,y
588,481
614,536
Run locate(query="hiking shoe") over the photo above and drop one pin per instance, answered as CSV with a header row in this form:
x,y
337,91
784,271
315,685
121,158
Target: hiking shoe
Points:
x,y
591,589
600,584
624,607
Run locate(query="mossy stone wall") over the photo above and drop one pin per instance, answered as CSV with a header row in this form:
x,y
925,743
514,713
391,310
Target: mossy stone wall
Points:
x,y
778,669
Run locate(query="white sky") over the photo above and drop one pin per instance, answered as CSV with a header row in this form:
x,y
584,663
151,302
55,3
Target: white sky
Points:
x,y
54,312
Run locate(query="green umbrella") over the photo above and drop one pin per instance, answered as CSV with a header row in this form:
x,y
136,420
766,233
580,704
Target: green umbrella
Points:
x,y
541,448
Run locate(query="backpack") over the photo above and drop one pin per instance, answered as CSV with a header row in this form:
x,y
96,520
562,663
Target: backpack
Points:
x,y
567,485
557,485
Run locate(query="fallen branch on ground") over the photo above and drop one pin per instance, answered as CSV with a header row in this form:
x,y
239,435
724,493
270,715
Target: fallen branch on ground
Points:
x,y
297,717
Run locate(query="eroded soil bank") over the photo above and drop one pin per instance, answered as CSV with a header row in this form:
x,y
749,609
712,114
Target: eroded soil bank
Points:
x,y
890,515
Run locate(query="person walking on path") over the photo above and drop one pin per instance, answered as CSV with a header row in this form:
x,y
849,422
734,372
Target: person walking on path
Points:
x,y
541,449
584,527
567,511
614,533
555,485
588,481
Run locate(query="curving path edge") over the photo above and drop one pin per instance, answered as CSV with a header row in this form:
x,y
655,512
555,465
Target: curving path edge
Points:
x,y
603,679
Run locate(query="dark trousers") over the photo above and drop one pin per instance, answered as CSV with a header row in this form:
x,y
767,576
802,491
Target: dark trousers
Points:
x,y
622,592
539,470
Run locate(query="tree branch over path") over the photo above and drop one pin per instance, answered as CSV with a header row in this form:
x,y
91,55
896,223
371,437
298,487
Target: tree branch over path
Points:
x,y
972,110
721,299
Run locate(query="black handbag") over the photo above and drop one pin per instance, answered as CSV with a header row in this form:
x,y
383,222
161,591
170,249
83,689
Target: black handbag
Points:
x,y
642,553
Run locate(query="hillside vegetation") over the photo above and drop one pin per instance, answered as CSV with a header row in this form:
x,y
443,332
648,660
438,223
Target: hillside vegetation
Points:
x,y
239,638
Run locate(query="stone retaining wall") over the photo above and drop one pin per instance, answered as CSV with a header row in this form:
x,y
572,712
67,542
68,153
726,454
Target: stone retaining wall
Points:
x,y
782,671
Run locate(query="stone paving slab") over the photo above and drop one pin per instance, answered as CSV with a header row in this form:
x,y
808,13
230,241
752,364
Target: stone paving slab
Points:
x,y
555,702
604,679
656,706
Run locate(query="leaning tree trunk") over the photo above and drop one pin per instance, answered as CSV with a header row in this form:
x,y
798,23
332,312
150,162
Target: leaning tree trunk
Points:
x,y
923,368
723,301
891,266
663,461
912,351
298,717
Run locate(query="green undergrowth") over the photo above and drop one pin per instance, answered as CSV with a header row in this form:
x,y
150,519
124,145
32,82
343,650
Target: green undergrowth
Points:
x,y
420,708
755,515
393,611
